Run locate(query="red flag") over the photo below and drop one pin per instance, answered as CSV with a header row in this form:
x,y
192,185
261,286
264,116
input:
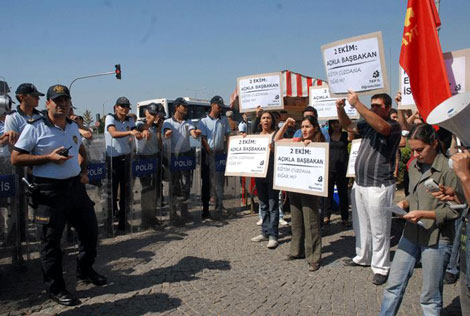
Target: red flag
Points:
x,y
421,56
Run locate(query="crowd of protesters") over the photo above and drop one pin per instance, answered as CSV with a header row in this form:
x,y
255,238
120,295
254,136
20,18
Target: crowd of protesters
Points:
x,y
436,228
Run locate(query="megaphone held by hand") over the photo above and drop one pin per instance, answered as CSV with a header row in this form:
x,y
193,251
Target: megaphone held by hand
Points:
x,y
454,115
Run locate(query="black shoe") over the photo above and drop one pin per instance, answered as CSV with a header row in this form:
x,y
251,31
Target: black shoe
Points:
x,y
313,266
205,214
379,279
290,257
450,278
91,276
348,262
64,298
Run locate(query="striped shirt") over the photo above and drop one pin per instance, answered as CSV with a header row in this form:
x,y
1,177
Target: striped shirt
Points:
x,y
375,161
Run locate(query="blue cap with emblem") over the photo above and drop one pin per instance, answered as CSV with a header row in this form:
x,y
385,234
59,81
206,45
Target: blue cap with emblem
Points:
x,y
28,88
123,101
56,91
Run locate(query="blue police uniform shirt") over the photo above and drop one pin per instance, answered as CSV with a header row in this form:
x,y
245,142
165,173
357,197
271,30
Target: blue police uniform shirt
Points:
x,y
4,150
42,137
180,136
214,129
324,131
17,120
147,146
118,146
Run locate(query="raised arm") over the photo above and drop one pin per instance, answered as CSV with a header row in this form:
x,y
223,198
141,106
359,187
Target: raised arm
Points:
x,y
380,125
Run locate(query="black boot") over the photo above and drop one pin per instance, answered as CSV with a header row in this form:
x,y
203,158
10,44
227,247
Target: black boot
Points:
x,y
91,276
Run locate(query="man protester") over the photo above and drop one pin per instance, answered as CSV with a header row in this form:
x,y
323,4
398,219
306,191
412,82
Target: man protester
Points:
x,y
181,158
215,130
120,131
374,185
150,148
52,146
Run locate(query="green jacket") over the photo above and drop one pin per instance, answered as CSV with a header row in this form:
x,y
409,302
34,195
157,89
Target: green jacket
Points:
x,y
442,228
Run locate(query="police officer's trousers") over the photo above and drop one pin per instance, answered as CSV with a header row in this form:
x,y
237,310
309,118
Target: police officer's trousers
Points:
x,y
60,201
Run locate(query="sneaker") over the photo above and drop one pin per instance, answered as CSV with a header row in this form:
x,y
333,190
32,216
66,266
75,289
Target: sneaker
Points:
x,y
259,238
450,278
272,243
283,222
259,222
379,279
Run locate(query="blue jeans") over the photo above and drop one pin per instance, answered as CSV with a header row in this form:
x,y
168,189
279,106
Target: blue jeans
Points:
x,y
434,261
269,205
453,265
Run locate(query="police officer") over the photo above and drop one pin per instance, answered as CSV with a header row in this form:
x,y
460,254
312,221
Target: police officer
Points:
x,y
149,147
120,130
28,96
52,146
215,129
177,130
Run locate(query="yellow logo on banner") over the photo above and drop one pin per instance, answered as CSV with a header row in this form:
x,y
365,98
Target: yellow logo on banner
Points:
x,y
412,31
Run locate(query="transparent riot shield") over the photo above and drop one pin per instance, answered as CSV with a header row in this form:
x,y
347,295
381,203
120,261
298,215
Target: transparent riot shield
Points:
x,y
146,172
13,212
183,193
97,186
119,189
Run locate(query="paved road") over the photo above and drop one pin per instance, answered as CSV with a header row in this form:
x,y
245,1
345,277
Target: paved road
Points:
x,y
212,268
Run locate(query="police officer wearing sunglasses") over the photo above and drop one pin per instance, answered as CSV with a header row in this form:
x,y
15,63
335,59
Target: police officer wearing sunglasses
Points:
x,y
52,146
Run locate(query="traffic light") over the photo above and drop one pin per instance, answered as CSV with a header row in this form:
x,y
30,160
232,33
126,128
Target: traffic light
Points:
x,y
117,71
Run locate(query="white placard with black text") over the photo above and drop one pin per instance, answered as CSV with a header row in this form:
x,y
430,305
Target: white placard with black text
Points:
x,y
356,63
320,99
263,90
302,169
248,156
355,144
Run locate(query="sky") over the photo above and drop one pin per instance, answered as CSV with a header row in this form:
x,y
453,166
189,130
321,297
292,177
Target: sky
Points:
x,y
191,48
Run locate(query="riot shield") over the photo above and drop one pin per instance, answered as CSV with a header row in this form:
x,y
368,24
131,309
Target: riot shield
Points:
x,y
97,186
119,187
147,174
13,212
183,193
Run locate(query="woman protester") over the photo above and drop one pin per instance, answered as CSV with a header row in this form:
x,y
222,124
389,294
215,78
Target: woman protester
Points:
x,y
338,164
268,197
429,228
305,217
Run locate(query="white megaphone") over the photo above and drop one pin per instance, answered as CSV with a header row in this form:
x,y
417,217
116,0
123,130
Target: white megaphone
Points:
x,y
454,115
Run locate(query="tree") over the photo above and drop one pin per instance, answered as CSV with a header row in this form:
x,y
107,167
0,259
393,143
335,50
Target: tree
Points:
x,y
87,118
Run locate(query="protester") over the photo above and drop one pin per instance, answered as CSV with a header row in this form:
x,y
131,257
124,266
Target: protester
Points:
x,y
429,228
150,148
338,165
52,146
233,124
177,130
215,130
268,197
120,131
311,111
374,185
305,218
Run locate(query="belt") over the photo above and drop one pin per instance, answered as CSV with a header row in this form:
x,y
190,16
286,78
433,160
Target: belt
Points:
x,y
49,183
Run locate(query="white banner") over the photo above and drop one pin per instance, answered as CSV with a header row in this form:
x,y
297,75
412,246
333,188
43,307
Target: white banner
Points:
x,y
320,99
248,156
300,168
263,90
356,63
355,144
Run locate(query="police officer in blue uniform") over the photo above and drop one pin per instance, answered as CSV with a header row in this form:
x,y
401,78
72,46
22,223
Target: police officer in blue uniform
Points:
x,y
119,132
52,146
150,147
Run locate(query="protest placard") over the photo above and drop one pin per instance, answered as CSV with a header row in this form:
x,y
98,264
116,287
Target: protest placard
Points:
x,y
302,169
320,99
248,156
263,90
356,63
458,72
355,144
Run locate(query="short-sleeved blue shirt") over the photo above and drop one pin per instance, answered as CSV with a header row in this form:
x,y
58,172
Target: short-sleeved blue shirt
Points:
x,y
118,146
147,146
214,129
180,136
17,120
41,137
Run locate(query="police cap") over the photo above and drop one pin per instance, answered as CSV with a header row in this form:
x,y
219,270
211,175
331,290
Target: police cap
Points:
x,y
28,88
156,108
56,91
217,100
180,101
